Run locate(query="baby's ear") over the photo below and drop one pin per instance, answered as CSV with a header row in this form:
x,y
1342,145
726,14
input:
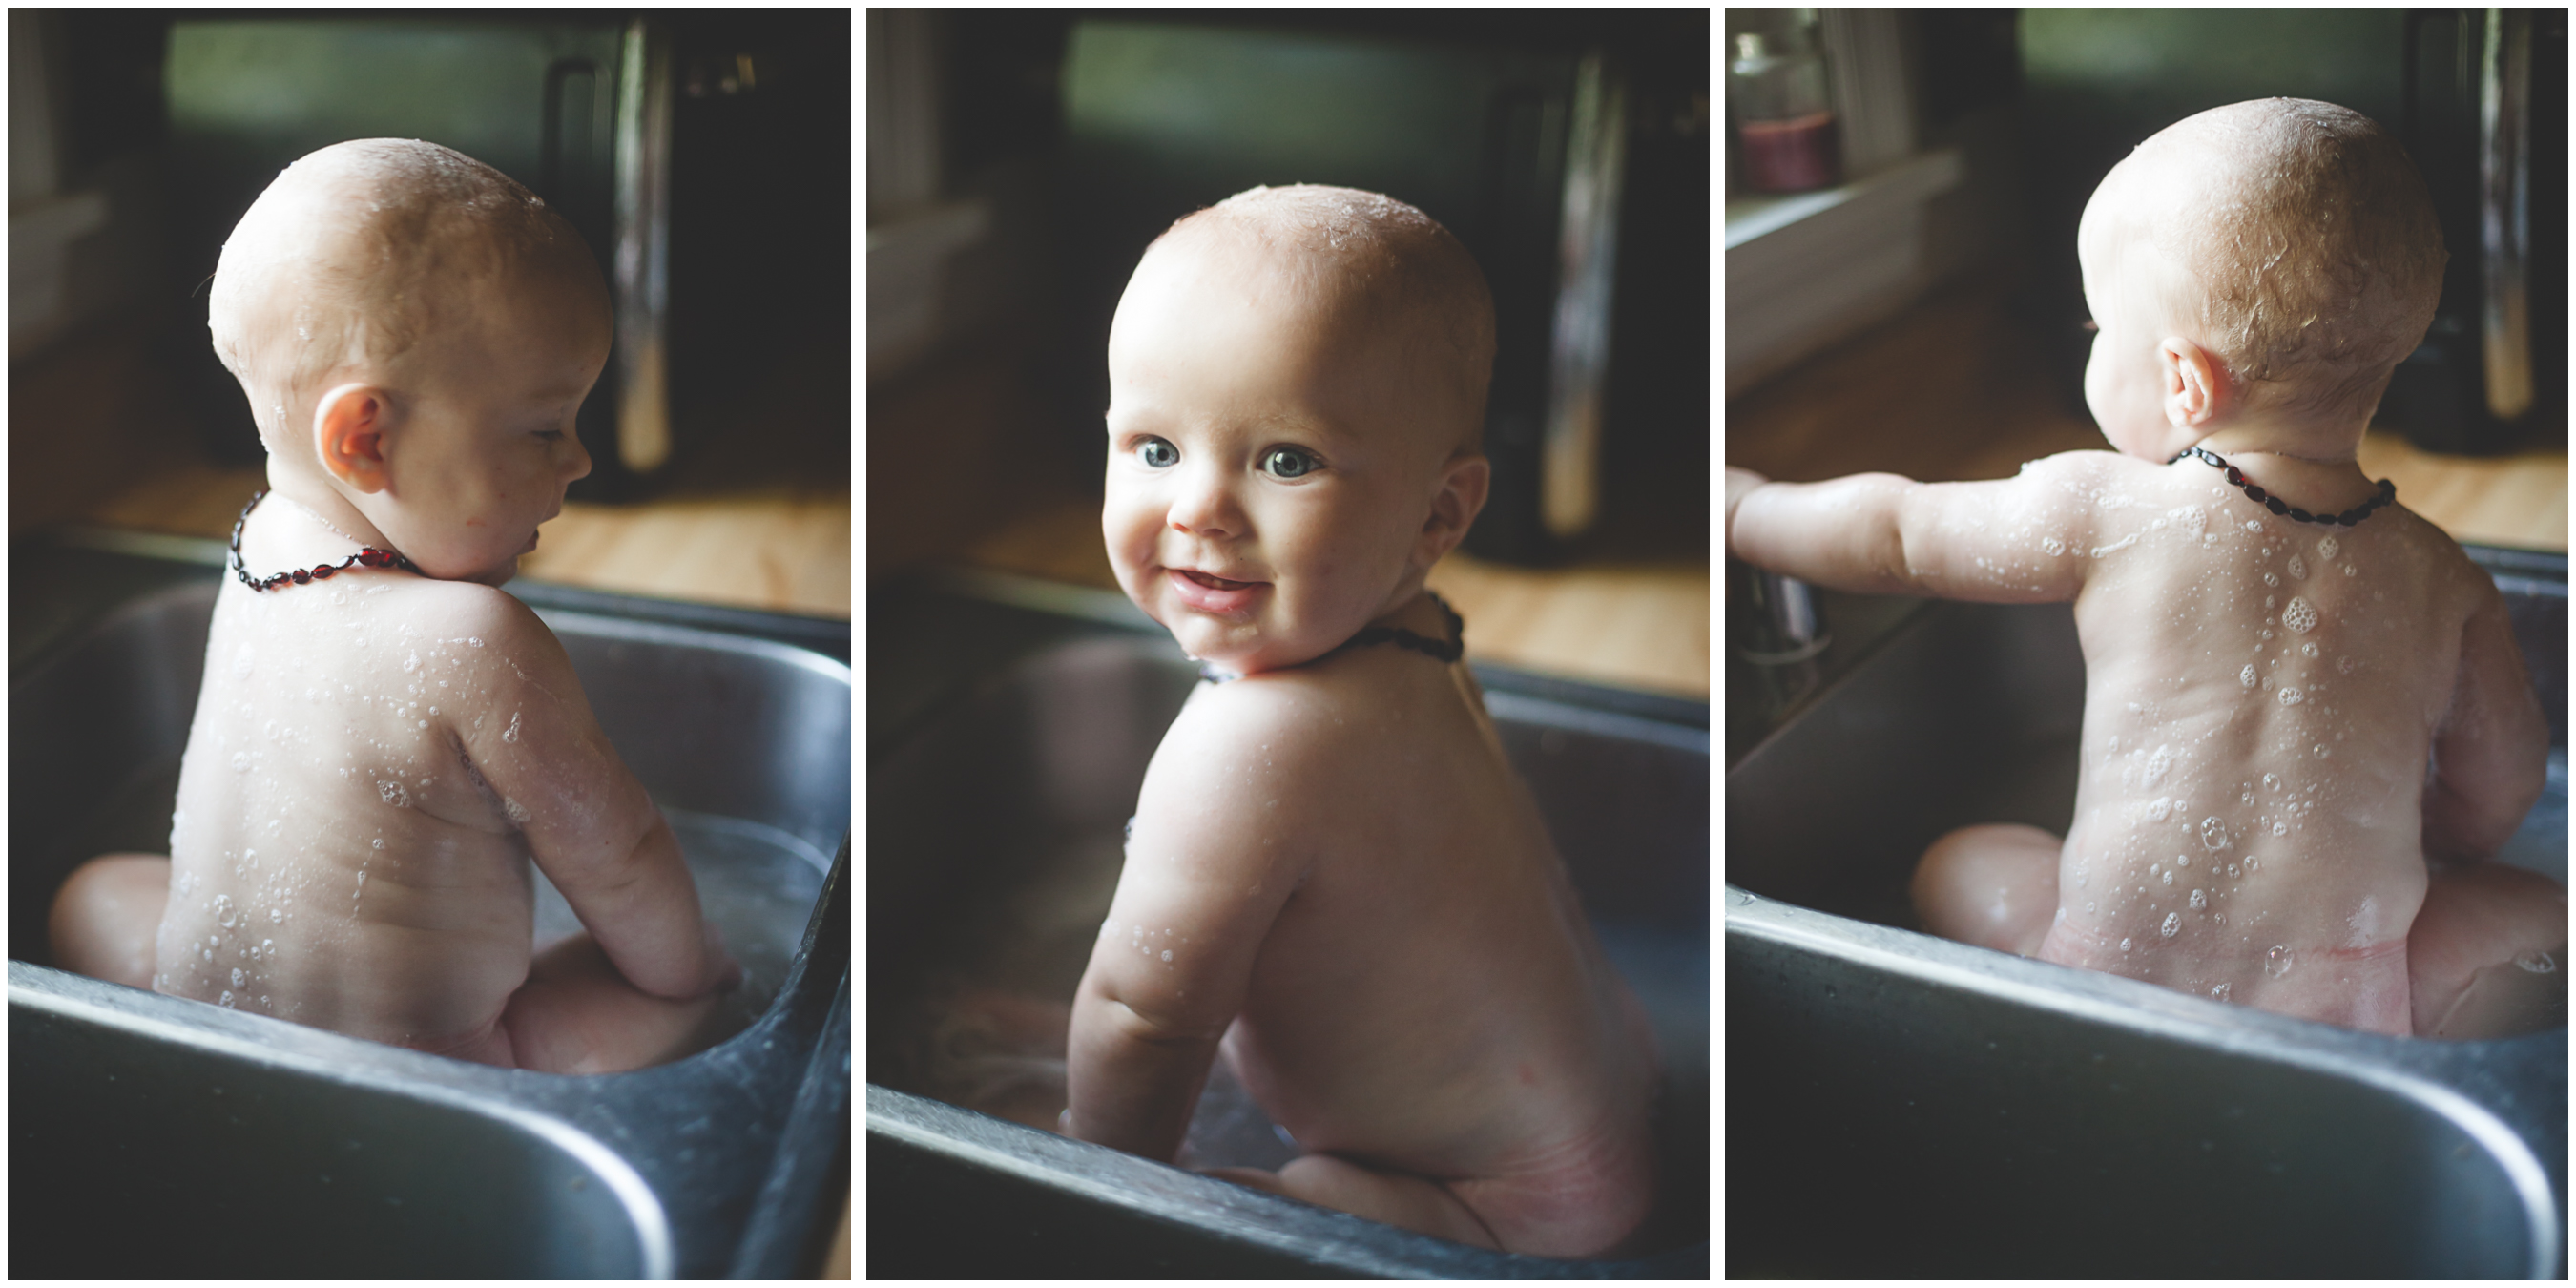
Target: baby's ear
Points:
x,y
2195,384
1463,482
349,426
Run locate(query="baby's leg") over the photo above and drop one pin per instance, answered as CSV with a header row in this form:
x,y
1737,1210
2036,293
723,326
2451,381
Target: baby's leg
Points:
x,y
1413,1202
1993,885
108,915
576,1014
2487,955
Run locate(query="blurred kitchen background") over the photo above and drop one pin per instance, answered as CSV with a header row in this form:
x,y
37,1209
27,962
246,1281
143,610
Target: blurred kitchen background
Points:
x,y
1903,187
1019,162
704,155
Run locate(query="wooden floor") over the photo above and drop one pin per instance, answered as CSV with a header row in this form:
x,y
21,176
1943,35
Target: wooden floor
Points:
x,y
1947,391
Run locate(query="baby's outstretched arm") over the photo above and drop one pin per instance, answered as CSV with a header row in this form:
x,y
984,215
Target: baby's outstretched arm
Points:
x,y
2491,751
1212,858
588,823
1885,534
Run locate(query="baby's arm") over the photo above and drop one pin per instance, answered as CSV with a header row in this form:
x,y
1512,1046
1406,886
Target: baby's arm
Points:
x,y
1212,858
1884,534
2491,751
587,821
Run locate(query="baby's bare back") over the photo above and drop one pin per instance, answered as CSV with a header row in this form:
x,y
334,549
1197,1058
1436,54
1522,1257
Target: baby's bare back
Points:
x,y
1428,996
2263,697
336,858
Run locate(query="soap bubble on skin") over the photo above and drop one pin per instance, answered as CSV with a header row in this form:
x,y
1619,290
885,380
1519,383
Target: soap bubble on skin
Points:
x,y
2300,616
2172,926
2199,900
2278,961
2537,962
2246,676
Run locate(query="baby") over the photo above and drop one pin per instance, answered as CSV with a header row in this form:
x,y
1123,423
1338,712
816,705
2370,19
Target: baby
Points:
x,y
2308,723
384,739
1333,876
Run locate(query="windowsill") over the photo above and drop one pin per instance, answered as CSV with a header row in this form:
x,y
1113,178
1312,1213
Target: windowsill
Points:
x,y
1807,269
1908,183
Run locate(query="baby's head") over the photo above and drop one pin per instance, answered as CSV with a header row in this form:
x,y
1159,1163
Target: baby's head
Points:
x,y
415,332
2292,243
1297,393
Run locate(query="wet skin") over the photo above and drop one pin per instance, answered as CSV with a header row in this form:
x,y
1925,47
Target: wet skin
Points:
x,y
377,758
1333,877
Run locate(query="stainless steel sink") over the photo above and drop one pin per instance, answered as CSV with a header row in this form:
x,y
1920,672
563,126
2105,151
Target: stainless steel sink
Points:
x,y
1901,1105
252,1147
995,816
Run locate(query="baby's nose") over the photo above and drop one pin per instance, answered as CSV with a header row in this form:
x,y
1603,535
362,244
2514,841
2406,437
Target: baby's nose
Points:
x,y
576,464
1206,507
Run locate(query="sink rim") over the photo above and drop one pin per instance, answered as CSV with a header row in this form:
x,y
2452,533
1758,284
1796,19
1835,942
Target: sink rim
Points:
x,y
2163,1015
350,1062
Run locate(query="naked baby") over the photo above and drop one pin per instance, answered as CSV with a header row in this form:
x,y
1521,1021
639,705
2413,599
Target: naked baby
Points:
x,y
1333,877
384,740
2307,724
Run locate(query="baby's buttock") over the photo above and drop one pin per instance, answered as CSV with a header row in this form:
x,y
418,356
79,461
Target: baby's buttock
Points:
x,y
414,941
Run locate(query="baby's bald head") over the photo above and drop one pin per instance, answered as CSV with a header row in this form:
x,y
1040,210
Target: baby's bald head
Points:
x,y
2292,238
357,250
1373,266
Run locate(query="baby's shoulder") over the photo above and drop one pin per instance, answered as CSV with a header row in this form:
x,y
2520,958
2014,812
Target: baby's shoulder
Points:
x,y
2090,475
1274,725
462,610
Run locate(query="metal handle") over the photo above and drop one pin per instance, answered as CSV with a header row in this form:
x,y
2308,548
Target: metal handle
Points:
x,y
1783,626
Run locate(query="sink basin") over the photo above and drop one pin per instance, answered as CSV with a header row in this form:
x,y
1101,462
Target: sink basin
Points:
x,y
1985,1115
260,1148
995,821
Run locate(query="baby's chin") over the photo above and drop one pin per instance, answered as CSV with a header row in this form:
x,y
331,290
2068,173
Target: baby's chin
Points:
x,y
1243,648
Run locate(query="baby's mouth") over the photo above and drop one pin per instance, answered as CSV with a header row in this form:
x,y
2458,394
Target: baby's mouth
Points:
x,y
1209,593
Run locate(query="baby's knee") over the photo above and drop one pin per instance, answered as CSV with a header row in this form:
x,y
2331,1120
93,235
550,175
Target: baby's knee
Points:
x,y
105,919
1993,885
2489,910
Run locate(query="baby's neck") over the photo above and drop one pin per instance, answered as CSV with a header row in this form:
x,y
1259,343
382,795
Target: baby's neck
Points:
x,y
301,518
2297,472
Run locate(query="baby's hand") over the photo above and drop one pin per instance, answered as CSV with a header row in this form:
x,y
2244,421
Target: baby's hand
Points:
x,y
1738,483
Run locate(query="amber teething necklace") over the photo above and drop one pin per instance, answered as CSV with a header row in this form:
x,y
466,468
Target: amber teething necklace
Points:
x,y
1448,650
2387,493
367,557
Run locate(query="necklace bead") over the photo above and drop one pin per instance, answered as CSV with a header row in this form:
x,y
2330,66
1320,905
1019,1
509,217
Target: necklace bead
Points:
x,y
367,556
2387,493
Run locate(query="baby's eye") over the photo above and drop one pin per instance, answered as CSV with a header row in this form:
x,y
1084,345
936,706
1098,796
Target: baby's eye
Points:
x,y
1289,463
1158,454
